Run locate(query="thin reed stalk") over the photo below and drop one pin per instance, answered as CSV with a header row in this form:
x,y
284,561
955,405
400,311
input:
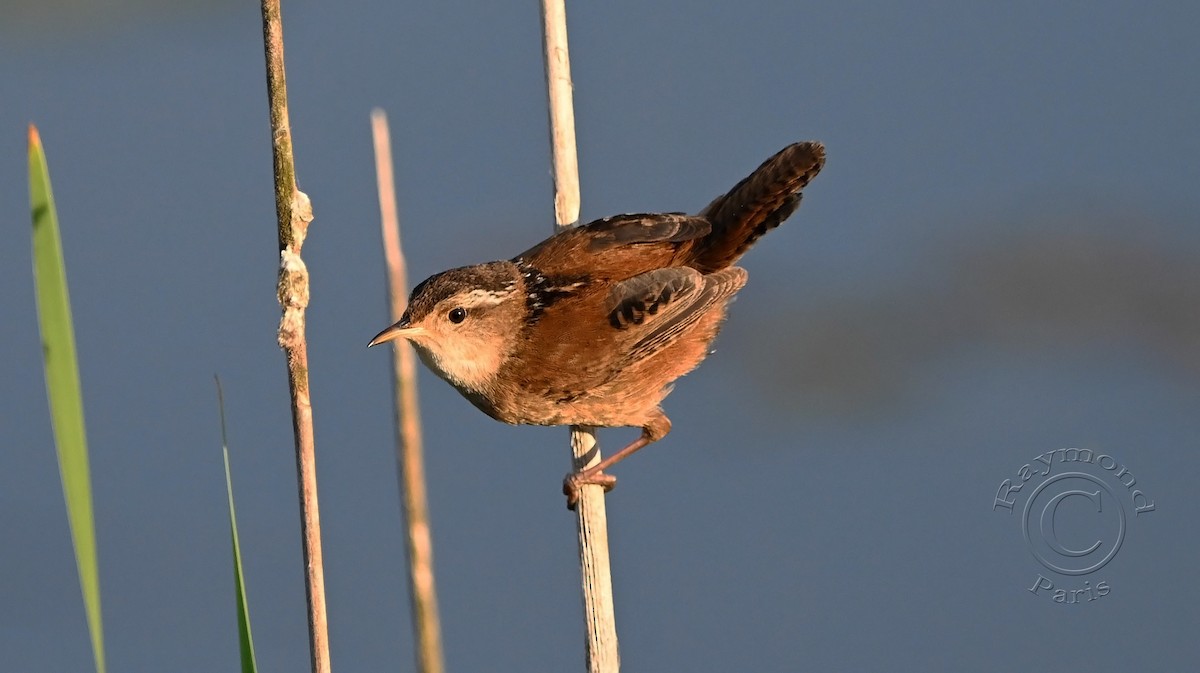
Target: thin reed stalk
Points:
x,y
410,460
294,214
591,517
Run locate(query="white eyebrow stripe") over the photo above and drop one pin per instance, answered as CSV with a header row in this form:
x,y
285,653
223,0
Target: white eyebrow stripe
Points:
x,y
478,298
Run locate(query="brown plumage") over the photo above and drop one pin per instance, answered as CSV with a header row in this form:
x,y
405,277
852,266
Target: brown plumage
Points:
x,y
591,326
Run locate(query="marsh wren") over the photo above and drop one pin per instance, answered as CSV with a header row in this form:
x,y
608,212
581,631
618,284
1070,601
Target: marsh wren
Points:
x,y
591,326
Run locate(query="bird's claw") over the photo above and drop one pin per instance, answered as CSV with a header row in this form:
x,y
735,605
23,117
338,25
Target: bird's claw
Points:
x,y
575,481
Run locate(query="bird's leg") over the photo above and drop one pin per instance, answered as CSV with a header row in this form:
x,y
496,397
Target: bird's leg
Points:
x,y
655,429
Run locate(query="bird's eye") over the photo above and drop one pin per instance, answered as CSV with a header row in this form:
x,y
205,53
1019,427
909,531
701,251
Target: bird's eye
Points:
x,y
457,315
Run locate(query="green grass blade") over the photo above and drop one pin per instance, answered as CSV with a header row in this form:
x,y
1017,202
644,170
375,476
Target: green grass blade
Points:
x,y
245,642
62,386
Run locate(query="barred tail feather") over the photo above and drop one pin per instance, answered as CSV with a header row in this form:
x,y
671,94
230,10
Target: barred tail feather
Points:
x,y
758,203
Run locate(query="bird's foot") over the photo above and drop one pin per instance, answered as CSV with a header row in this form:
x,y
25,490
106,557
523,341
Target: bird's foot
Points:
x,y
575,481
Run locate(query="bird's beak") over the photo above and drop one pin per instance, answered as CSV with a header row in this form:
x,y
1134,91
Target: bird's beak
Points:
x,y
400,330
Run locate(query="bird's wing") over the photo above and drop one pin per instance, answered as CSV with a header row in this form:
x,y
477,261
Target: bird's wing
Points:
x,y
618,247
634,319
655,307
619,230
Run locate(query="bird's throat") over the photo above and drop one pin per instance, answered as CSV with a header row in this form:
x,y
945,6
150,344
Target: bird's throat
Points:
x,y
468,369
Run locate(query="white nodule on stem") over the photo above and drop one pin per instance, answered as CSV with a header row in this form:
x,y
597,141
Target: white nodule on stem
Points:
x,y
302,214
293,296
293,281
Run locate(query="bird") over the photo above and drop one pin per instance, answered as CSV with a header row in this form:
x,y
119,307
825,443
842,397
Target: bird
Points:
x,y
592,326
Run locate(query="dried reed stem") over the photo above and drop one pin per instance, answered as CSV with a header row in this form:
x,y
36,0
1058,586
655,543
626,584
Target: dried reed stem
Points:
x,y
410,460
591,518
295,212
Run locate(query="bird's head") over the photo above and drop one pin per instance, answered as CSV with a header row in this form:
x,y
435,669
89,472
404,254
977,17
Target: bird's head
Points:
x,y
464,322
